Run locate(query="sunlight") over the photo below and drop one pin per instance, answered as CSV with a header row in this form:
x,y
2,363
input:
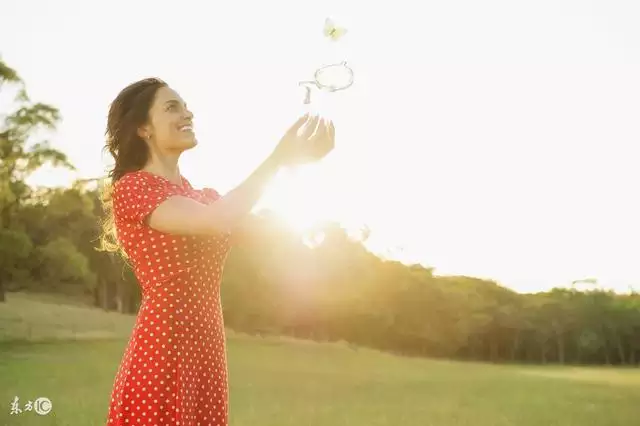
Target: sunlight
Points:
x,y
308,197
433,155
297,197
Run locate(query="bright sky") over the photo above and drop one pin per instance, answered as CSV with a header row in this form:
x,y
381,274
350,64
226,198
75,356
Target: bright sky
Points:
x,y
496,139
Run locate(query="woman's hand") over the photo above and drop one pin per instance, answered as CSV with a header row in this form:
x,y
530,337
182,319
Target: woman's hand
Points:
x,y
181,215
312,143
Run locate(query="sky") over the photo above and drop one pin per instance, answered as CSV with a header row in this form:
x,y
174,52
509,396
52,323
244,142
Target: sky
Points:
x,y
496,139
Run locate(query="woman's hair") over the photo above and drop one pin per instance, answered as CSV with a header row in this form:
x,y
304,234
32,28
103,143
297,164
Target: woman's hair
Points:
x,y
127,113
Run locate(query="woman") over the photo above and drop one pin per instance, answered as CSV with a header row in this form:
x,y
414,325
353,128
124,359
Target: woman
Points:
x,y
174,369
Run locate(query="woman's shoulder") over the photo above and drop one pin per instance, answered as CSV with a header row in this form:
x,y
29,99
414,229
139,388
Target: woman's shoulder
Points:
x,y
142,181
134,185
136,179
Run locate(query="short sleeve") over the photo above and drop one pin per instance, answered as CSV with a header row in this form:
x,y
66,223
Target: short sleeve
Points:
x,y
210,194
135,197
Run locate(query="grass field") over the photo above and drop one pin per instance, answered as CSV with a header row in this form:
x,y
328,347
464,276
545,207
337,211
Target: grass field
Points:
x,y
281,382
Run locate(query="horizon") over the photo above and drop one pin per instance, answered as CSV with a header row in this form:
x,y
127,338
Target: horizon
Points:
x,y
494,141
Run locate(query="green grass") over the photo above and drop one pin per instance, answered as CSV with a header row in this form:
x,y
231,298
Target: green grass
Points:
x,y
282,382
46,317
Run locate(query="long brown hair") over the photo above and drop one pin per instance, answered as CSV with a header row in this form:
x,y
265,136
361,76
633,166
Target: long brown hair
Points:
x,y
127,113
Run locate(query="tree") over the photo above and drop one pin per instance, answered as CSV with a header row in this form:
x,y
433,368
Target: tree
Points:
x,y
63,264
19,156
15,247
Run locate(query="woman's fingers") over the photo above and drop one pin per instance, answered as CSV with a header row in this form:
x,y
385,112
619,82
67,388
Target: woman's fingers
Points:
x,y
321,132
293,130
323,141
310,128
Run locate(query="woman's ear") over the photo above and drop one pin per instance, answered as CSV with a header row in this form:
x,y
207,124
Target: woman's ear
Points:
x,y
144,132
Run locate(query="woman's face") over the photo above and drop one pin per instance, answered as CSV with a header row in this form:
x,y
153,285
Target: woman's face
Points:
x,y
170,126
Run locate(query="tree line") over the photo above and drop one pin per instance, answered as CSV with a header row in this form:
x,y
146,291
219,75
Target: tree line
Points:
x,y
277,284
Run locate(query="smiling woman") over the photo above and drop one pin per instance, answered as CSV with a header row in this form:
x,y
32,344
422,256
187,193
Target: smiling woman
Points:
x,y
174,369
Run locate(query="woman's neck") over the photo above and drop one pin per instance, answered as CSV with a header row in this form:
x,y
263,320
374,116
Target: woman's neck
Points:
x,y
168,169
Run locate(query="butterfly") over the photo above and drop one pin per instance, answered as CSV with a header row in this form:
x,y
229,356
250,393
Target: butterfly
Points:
x,y
332,31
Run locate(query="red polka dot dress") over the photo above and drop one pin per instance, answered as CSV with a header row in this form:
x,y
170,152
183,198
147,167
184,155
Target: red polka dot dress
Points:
x,y
174,369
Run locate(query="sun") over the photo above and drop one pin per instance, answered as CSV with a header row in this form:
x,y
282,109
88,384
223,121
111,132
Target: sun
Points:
x,y
301,198
299,218
308,198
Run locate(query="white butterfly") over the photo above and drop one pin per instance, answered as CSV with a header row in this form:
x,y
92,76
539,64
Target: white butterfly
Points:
x,y
332,31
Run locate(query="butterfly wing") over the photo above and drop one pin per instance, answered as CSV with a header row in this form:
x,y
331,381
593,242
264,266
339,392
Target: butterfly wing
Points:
x,y
328,27
338,33
332,31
